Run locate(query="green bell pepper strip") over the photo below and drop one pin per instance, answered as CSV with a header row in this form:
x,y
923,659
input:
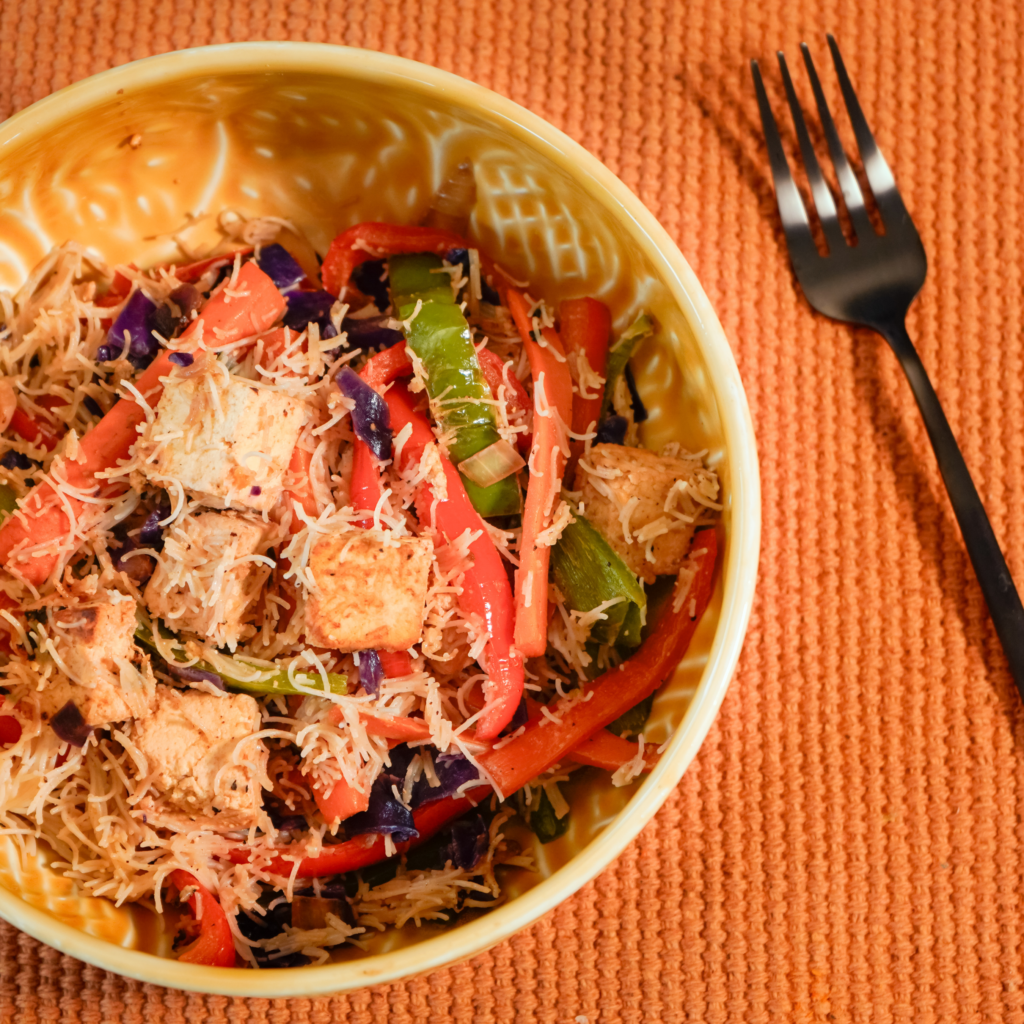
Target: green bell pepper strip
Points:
x,y
588,572
544,823
620,354
440,336
272,682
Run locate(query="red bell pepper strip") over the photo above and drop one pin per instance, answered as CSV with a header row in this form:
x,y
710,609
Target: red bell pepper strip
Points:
x,y
372,240
363,850
486,594
395,663
190,272
551,378
214,947
485,588
42,516
30,429
498,374
603,750
10,730
544,742
364,486
118,291
387,365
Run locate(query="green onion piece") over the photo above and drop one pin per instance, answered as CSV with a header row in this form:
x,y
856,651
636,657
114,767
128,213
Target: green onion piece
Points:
x,y
619,355
491,464
588,572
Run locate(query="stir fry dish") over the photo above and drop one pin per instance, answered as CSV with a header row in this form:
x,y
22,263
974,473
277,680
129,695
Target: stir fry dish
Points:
x,y
316,573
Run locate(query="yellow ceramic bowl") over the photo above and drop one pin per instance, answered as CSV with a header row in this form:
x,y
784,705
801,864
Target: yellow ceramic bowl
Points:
x,y
325,137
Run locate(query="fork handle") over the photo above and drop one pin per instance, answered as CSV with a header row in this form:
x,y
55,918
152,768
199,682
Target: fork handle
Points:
x,y
989,564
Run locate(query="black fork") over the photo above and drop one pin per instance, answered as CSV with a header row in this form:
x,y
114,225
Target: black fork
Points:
x,y
873,283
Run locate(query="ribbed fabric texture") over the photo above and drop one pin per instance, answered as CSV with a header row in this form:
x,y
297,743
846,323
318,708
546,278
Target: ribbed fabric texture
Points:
x,y
848,844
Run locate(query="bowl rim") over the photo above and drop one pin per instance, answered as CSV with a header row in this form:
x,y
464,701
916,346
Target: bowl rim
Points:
x,y
739,569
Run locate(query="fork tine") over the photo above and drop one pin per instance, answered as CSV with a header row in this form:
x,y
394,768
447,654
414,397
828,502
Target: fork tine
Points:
x,y
880,178
852,194
791,206
823,200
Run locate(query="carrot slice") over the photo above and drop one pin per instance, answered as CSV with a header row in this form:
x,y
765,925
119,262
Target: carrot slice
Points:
x,y
552,398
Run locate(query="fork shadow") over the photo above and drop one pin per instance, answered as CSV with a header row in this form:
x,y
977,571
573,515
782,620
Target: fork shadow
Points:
x,y
934,521
727,103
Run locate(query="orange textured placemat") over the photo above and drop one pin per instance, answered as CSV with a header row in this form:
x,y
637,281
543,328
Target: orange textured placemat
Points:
x,y
848,845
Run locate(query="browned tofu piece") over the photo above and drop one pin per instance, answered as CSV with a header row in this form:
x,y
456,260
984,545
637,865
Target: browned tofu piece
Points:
x,y
639,481
225,441
95,643
93,637
371,592
206,580
191,746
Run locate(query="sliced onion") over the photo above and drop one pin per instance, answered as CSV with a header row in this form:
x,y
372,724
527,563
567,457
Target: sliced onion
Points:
x,y
491,464
69,725
454,201
312,911
370,417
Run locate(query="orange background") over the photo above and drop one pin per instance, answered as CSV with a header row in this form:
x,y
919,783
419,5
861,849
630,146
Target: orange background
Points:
x,y
848,845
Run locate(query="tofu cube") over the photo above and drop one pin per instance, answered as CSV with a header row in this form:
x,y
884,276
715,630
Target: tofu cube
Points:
x,y
227,442
95,643
631,496
191,745
370,591
206,580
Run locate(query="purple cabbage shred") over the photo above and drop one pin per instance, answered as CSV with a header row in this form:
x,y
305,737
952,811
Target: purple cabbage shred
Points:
x,y
256,490
305,308
612,431
385,815
280,266
137,319
69,725
469,840
152,532
370,417
181,358
371,672
453,772
371,332
16,460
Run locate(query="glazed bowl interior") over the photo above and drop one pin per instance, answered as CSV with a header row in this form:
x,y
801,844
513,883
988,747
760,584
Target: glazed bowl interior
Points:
x,y
139,162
